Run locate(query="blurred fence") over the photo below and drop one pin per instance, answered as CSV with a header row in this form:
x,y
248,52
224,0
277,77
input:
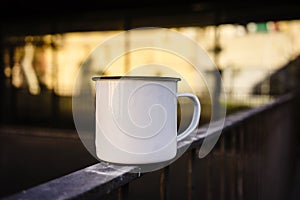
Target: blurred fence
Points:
x,y
253,159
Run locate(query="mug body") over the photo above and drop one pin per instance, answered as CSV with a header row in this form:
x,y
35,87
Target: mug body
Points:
x,y
136,119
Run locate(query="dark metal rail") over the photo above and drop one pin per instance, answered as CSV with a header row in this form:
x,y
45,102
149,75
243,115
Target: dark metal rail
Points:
x,y
252,160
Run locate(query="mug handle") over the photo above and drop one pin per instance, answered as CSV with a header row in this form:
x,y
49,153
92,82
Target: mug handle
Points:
x,y
196,115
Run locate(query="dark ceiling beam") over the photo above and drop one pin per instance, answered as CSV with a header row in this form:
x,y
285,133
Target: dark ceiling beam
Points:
x,y
52,20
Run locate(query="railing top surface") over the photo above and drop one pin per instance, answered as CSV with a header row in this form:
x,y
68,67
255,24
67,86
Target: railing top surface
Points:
x,y
101,178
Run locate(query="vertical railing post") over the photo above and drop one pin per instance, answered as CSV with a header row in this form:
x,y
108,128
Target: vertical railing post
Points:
x,y
123,192
233,165
164,184
240,164
222,167
208,176
191,179
257,154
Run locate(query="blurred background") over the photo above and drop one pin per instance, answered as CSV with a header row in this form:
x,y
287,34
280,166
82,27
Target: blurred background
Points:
x,y
255,46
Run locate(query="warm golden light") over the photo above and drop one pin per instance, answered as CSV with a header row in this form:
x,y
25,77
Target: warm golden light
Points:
x,y
247,54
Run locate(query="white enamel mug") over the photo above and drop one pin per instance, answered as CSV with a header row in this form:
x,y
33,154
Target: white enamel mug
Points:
x,y
136,119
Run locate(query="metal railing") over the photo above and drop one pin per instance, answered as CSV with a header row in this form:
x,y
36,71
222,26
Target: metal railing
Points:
x,y
253,159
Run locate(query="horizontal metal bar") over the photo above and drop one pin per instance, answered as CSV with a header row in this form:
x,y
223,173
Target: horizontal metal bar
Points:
x,y
100,179
231,122
91,182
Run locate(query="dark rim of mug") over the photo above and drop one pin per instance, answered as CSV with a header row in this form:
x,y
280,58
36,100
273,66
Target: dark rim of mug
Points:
x,y
148,78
